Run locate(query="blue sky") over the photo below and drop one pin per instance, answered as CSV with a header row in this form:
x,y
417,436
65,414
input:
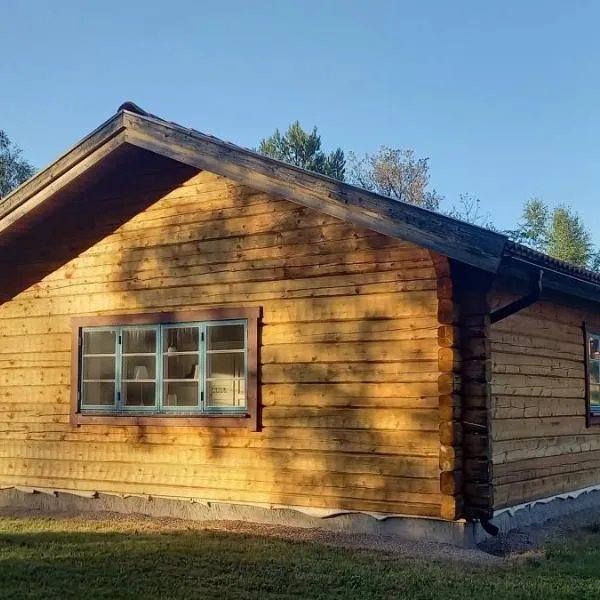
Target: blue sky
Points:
x,y
503,97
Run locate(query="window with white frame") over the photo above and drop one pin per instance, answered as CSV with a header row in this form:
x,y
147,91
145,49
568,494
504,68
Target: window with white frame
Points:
x,y
180,368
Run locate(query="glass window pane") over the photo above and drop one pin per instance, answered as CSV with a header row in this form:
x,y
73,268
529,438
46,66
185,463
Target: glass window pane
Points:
x,y
225,365
226,393
594,347
595,398
139,341
99,342
98,393
139,393
180,393
182,366
594,370
226,337
181,339
99,367
139,367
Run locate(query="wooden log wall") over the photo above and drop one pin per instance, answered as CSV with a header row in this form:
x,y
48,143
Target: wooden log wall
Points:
x,y
541,445
449,388
350,369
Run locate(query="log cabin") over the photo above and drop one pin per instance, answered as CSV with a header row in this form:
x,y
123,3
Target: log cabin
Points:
x,y
184,321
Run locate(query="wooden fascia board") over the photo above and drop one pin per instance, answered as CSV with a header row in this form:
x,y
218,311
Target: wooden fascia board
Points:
x,y
461,241
45,178
555,281
59,181
464,242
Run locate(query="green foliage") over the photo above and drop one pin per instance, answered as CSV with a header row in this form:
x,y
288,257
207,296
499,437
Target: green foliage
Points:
x,y
395,173
559,232
533,230
14,169
568,238
303,149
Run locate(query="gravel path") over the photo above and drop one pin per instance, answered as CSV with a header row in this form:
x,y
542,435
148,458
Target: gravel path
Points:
x,y
532,537
429,550
423,549
493,553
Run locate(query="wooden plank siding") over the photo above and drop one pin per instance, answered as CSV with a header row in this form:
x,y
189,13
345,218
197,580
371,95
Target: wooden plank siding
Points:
x,y
350,357
541,445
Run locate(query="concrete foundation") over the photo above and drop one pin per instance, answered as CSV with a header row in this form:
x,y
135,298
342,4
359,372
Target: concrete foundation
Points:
x,y
545,509
458,533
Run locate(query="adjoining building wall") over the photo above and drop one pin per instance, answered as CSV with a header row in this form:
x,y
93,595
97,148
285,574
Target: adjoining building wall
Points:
x,y
541,445
349,353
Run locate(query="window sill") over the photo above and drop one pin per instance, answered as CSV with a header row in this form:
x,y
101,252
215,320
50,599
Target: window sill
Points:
x,y
225,420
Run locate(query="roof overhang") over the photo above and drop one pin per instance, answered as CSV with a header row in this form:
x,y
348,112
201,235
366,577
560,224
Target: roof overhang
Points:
x,y
133,130
464,242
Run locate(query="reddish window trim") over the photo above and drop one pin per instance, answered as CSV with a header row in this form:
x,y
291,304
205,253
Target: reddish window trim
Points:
x,y
250,420
588,327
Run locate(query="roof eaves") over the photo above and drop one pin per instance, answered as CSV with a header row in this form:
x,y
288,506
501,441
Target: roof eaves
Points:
x,y
100,135
520,251
457,239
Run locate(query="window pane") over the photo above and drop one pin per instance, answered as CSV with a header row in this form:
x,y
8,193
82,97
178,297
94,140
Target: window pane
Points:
x,y
139,367
227,364
595,347
139,393
98,393
180,393
595,398
223,393
99,367
139,341
181,339
594,371
182,366
99,342
226,337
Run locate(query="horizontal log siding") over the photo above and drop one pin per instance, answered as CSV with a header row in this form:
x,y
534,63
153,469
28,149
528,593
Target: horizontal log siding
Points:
x,y
349,358
541,446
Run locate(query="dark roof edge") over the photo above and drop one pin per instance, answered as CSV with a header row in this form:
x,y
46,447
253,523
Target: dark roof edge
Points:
x,y
44,177
457,239
544,261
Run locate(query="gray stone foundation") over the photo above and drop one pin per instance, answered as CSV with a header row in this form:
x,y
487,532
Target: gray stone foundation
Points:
x,y
457,533
540,511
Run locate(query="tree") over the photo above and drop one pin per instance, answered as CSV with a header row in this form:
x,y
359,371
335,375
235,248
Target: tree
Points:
x,y
14,169
568,238
302,149
395,173
469,210
533,229
559,232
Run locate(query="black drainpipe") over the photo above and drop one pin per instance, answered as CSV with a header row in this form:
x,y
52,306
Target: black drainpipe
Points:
x,y
521,303
535,292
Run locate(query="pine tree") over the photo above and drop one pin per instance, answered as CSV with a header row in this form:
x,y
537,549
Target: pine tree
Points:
x,y
302,149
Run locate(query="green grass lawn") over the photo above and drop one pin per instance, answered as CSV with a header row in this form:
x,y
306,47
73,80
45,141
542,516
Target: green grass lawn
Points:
x,y
72,558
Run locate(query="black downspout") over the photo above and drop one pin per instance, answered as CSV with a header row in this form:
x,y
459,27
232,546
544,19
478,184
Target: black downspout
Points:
x,y
521,303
